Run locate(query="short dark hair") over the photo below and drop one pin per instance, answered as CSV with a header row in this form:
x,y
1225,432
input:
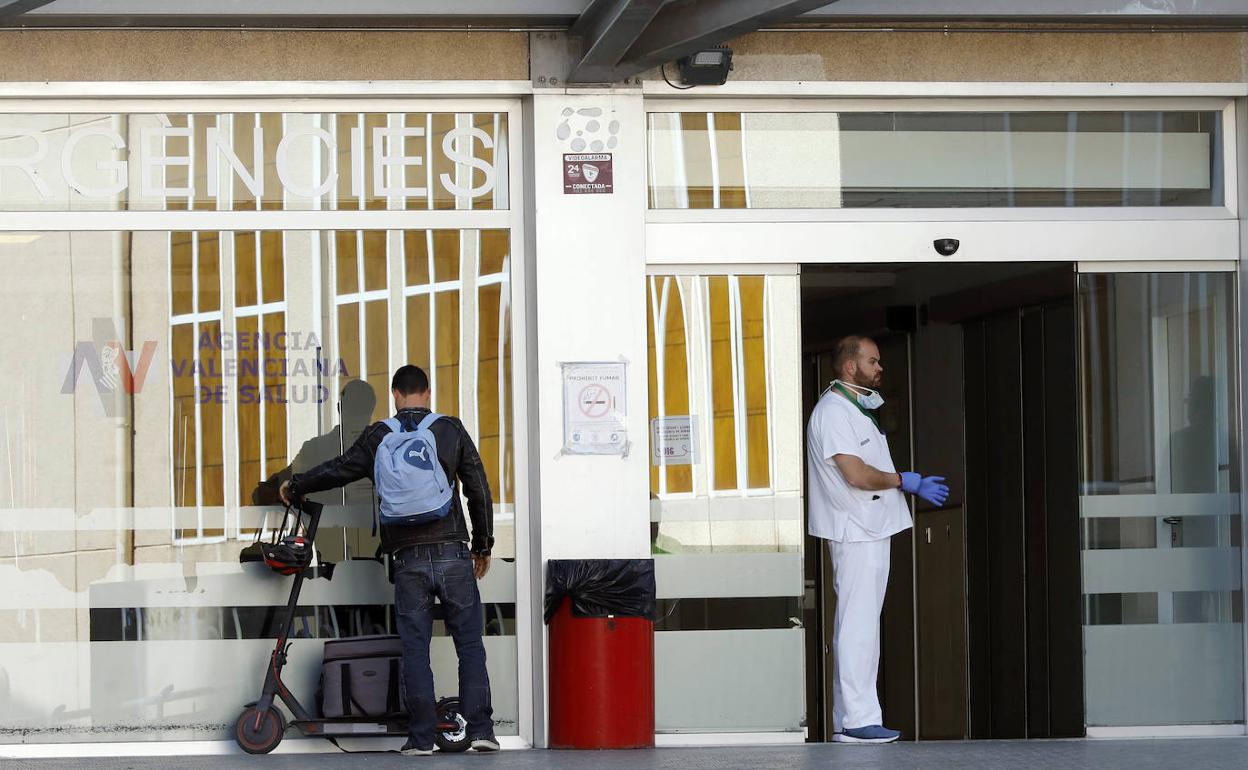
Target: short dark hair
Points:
x,y
846,350
409,379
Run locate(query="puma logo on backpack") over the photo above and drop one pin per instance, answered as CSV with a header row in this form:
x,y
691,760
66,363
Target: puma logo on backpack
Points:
x,y
409,479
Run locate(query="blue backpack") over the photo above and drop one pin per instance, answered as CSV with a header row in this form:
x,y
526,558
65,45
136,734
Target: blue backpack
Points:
x,y
408,477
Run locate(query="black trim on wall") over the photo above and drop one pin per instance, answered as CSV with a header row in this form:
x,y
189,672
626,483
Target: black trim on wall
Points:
x,y
722,614
136,624
896,679
1003,474
1035,510
1023,558
1065,585
979,642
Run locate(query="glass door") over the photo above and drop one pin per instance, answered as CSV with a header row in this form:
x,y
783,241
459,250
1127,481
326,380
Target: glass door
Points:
x,y
725,501
1159,500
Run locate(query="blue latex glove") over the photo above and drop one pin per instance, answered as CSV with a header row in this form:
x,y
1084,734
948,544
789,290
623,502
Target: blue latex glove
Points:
x,y
931,488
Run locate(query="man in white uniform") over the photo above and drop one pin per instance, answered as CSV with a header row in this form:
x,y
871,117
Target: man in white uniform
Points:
x,y
856,504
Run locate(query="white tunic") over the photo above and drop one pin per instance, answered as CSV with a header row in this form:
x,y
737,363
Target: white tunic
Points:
x,y
838,511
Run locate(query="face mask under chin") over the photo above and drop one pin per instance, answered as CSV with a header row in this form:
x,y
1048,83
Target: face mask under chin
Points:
x,y
869,400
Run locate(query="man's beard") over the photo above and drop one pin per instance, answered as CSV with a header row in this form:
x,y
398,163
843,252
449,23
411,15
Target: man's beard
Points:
x,y
873,384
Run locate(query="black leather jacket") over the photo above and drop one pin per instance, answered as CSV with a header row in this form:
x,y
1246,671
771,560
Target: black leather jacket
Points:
x,y
459,459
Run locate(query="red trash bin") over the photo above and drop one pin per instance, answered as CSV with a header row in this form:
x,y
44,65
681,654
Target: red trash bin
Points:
x,y
601,681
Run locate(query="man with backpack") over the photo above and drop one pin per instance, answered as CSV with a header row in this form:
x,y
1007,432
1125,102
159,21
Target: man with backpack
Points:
x,y
418,460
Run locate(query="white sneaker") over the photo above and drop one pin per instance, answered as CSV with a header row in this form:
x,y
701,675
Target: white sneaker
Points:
x,y
484,744
415,752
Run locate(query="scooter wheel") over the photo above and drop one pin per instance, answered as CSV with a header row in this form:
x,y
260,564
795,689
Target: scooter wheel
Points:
x,y
448,739
259,732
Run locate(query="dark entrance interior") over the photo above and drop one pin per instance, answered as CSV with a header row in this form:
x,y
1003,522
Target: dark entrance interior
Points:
x,y
982,624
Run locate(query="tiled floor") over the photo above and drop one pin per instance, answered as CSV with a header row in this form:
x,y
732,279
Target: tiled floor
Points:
x,y
1144,754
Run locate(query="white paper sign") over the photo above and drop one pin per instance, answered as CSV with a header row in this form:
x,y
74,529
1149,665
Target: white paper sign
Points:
x,y
673,441
595,408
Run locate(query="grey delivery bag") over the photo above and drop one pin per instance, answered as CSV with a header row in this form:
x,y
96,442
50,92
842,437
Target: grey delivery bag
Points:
x,y
360,677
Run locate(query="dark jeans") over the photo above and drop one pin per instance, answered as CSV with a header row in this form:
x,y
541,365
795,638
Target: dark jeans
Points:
x,y
444,571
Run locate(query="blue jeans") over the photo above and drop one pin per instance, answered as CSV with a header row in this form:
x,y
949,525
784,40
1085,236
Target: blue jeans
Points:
x,y
444,571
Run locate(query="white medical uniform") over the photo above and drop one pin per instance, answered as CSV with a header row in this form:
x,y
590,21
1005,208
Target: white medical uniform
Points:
x,y
857,525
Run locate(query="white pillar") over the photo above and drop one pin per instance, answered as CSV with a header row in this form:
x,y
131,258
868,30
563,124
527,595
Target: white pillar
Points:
x,y
590,304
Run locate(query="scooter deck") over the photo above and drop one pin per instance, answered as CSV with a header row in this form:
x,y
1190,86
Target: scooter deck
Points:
x,y
320,727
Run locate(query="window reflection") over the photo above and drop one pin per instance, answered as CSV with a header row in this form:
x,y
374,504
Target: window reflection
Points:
x,y
191,371
1160,498
713,377
1155,362
729,160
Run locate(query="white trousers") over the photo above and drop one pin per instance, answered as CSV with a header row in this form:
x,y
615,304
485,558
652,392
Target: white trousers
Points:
x,y
860,577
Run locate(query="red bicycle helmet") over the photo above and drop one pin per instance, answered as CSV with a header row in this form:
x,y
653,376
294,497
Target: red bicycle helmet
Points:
x,y
289,555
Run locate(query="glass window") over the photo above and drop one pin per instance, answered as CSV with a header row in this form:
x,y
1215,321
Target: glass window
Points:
x,y
726,512
361,302
261,339
669,380
253,161
763,160
1162,580
737,385
197,422
189,371
494,371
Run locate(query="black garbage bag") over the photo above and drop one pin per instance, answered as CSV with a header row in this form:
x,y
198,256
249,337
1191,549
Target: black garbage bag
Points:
x,y
601,587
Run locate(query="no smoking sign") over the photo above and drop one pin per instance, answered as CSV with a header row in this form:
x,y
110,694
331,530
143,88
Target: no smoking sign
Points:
x,y
595,401
594,408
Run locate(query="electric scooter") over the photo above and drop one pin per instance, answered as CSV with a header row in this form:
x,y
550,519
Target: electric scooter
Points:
x,y
261,726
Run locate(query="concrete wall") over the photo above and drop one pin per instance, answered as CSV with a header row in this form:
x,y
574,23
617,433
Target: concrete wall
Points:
x,y
836,55
853,55
103,55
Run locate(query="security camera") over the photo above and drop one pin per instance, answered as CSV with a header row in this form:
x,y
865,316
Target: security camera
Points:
x,y
946,247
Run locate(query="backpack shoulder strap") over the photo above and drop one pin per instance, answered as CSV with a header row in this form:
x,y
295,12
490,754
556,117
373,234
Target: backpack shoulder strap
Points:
x,y
394,425
430,419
